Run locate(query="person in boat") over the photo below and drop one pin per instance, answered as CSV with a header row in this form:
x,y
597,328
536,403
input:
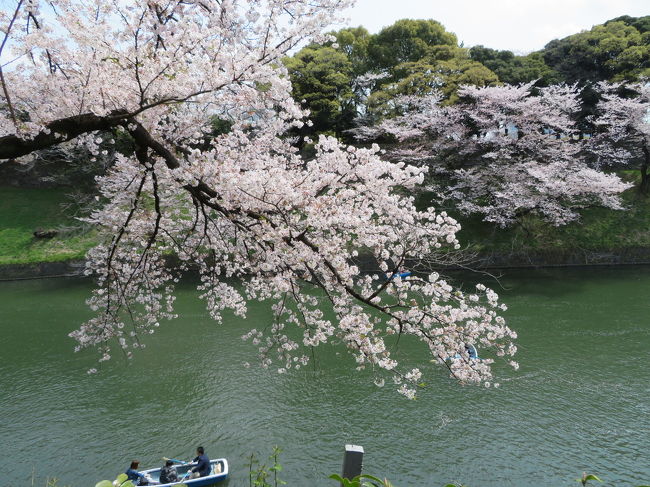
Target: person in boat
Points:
x,y
471,351
202,468
136,477
168,473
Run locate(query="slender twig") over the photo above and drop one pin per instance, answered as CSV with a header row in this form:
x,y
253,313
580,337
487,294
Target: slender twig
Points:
x,y
12,113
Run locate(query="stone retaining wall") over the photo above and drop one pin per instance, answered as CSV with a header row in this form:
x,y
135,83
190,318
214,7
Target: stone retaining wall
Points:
x,y
491,260
10,272
563,258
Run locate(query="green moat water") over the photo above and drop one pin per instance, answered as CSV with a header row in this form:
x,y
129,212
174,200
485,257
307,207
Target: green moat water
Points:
x,y
580,400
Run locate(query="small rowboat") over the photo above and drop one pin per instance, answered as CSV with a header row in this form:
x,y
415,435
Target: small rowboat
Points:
x,y
218,472
471,351
402,275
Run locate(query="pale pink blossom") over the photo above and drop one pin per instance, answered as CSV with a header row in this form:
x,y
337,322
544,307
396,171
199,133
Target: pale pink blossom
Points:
x,y
506,151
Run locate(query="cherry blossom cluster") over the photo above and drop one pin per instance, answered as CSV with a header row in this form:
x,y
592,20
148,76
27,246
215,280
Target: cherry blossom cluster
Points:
x,y
504,151
244,209
622,123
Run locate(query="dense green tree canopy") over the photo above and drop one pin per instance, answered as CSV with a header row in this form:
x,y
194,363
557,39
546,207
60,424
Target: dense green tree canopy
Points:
x,y
642,24
322,77
420,57
514,69
443,71
354,41
615,51
407,41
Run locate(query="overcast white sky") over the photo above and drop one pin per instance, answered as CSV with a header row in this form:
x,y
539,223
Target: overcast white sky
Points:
x,y
517,25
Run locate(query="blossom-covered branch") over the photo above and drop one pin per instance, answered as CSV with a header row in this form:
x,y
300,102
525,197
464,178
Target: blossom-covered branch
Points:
x,y
622,135
243,204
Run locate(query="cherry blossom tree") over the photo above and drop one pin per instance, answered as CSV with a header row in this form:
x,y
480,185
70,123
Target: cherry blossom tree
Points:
x,y
239,205
505,152
622,135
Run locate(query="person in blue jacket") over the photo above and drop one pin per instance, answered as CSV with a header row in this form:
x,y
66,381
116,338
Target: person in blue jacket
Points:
x,y
202,468
134,476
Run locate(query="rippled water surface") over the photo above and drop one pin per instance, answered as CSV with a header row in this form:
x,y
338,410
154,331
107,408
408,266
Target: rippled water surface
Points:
x,y
580,401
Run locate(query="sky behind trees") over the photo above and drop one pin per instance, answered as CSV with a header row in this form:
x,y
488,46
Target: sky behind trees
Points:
x,y
517,25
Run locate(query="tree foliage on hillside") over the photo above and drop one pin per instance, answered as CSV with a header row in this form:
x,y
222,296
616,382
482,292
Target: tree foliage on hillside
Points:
x,y
514,69
405,41
443,71
321,78
410,57
418,57
614,51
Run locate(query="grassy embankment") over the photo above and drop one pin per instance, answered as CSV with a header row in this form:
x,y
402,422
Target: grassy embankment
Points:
x,y
598,229
22,211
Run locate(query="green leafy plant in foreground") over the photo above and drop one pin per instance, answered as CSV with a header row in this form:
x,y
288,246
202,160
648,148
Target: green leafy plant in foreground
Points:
x,y
586,478
50,482
371,481
263,475
362,481
121,481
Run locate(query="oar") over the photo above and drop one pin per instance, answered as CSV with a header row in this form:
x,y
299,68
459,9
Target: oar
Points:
x,y
187,474
174,460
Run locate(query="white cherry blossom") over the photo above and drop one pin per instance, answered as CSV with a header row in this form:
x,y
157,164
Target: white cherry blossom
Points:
x,y
503,152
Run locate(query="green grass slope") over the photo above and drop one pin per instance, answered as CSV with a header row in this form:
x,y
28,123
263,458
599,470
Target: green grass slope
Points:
x,y
22,211
597,229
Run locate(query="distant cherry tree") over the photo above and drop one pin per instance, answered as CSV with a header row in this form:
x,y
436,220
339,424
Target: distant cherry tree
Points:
x,y
242,204
622,135
503,152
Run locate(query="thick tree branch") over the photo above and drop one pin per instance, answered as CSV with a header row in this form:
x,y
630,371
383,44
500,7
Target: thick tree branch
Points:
x,y
59,131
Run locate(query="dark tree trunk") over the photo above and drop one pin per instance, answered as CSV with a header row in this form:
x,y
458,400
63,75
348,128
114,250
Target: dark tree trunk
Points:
x,y
645,177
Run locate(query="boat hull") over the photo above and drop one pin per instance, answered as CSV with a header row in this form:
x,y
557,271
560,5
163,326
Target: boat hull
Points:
x,y
215,477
